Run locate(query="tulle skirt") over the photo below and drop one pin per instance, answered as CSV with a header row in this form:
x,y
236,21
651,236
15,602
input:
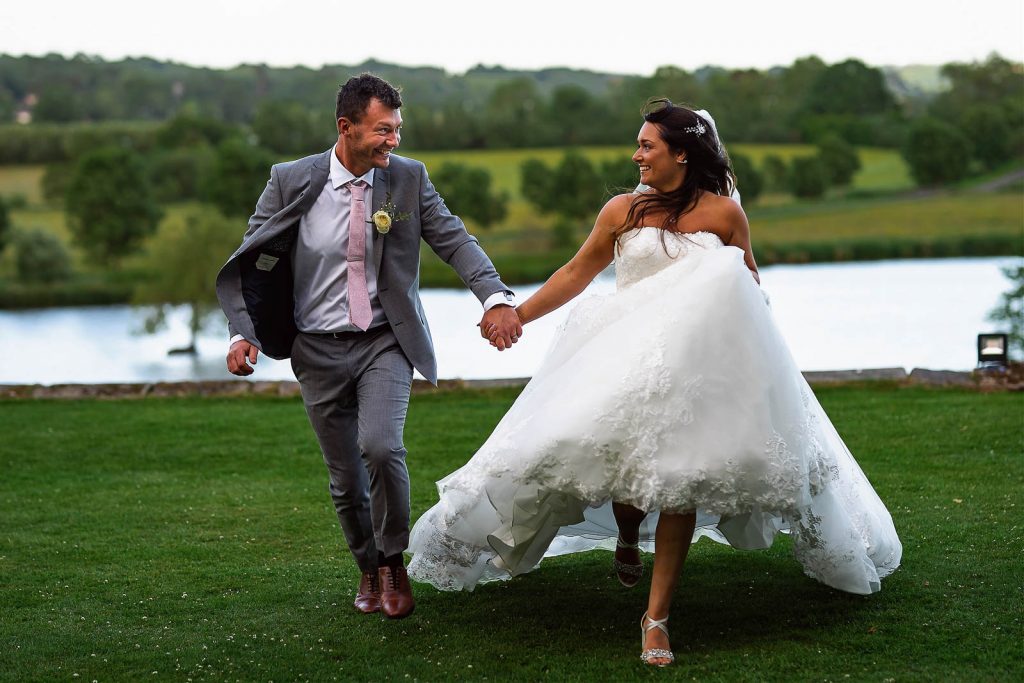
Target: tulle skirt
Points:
x,y
674,393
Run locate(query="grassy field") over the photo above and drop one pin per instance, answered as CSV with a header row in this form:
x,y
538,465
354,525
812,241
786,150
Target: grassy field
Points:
x,y
193,539
882,169
932,217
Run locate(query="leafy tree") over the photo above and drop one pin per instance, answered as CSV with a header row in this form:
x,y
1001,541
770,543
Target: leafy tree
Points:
x,y
936,152
996,82
674,83
449,126
742,104
807,178
5,224
575,116
40,257
573,190
189,128
576,188
619,174
535,184
58,103
775,172
986,127
515,115
184,259
749,180
850,88
177,174
850,99
467,191
839,159
110,204
237,176
1010,309
289,128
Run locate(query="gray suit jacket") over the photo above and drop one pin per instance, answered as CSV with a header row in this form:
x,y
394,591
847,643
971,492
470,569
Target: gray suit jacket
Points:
x,y
259,303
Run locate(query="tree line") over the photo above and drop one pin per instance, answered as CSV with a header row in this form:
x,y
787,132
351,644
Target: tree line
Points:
x,y
290,110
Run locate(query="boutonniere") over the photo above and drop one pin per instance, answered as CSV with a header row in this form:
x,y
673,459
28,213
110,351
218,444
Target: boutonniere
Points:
x,y
387,214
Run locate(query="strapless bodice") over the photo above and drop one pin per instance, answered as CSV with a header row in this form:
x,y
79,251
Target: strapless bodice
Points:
x,y
646,251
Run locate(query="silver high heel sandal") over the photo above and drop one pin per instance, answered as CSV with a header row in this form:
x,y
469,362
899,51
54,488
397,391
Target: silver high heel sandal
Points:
x,y
628,574
657,653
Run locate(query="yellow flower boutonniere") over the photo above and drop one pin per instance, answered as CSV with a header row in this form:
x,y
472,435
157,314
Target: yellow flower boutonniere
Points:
x,y
386,215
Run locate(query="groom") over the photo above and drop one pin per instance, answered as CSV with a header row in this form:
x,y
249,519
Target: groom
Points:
x,y
328,274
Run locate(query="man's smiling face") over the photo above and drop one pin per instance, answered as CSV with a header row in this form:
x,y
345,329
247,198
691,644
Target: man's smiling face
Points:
x,y
368,143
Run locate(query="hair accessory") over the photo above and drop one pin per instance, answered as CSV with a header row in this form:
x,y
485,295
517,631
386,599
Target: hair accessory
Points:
x,y
699,129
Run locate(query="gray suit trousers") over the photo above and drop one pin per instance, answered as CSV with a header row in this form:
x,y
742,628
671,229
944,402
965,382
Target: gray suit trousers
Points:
x,y
356,391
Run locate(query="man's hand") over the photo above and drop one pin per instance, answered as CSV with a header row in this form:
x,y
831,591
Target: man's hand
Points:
x,y
238,354
500,325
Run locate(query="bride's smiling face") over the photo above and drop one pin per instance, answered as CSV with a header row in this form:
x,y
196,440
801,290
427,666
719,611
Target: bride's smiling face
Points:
x,y
660,167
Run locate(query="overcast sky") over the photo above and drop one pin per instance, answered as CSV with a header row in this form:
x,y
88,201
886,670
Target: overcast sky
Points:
x,y
620,37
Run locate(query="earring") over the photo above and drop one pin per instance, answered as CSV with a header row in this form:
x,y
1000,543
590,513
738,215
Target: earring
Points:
x,y
678,161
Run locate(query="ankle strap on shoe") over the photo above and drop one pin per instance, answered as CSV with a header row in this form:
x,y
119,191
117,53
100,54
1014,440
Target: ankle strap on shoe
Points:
x,y
619,543
653,623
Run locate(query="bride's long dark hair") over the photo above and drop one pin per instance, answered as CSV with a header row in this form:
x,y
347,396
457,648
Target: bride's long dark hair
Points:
x,y
707,163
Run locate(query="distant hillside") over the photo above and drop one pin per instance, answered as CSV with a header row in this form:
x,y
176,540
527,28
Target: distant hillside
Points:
x,y
926,78
290,109
58,89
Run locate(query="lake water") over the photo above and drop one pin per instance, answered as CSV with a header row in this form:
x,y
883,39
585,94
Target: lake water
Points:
x,y
915,313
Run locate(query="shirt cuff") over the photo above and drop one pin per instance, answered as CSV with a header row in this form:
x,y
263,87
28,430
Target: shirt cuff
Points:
x,y
237,337
503,298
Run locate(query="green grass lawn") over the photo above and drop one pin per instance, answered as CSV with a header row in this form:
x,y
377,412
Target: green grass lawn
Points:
x,y
194,539
894,218
24,181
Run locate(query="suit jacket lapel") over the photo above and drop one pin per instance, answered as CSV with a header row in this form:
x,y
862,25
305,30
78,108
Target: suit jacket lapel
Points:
x,y
381,190
317,179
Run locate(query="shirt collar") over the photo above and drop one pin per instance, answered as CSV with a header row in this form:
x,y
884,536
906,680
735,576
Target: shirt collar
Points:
x,y
341,175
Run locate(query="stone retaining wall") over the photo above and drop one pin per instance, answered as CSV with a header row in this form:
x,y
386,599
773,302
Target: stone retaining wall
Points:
x,y
984,382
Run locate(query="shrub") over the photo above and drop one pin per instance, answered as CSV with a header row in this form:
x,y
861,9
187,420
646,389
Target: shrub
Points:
x,y
775,173
987,129
175,174
5,224
749,180
237,176
807,178
936,152
839,160
467,191
40,258
619,175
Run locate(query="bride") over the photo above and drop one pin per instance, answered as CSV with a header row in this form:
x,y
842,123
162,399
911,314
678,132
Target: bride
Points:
x,y
671,405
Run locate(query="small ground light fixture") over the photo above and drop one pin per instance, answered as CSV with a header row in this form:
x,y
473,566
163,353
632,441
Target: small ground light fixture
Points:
x,y
992,348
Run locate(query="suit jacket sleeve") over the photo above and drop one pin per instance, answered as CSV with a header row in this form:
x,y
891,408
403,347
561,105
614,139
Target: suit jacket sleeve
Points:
x,y
448,238
269,204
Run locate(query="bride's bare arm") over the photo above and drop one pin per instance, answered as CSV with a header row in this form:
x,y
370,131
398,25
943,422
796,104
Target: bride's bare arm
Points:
x,y
739,235
572,278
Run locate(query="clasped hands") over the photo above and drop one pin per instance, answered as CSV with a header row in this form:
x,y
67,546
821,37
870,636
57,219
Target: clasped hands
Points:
x,y
501,326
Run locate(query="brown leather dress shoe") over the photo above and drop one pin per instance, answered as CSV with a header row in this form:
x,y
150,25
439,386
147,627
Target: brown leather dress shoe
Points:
x,y
368,597
396,599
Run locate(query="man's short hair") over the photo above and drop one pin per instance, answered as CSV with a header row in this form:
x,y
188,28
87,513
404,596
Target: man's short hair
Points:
x,y
354,97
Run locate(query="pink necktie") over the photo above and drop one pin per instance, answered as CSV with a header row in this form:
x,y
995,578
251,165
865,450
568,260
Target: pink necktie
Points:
x,y
358,297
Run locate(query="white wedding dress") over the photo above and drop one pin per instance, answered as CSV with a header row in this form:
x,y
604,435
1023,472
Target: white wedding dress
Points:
x,y
675,392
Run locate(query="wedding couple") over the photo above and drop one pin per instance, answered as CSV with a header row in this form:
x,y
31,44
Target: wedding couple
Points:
x,y
666,411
